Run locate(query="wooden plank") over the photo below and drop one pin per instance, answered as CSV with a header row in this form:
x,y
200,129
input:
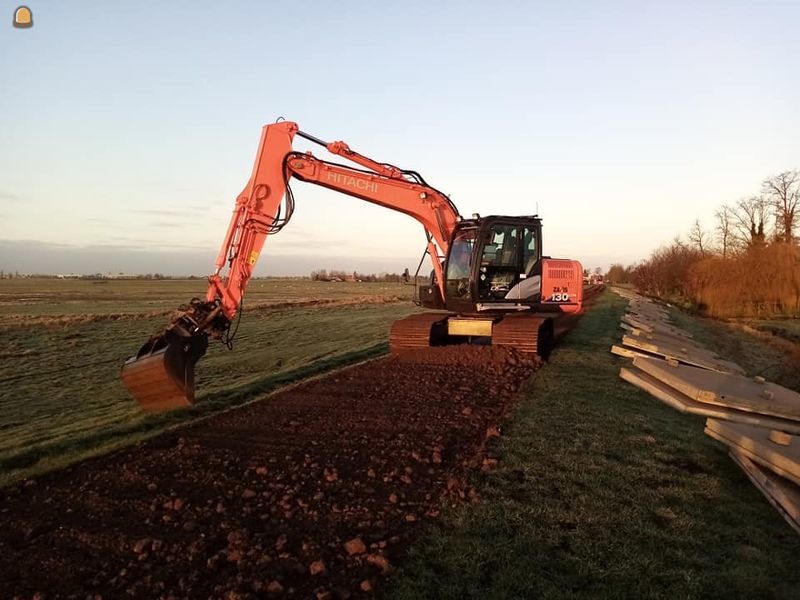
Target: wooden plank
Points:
x,y
654,327
627,352
671,340
703,361
671,397
623,293
659,343
653,387
781,493
648,317
754,457
754,442
726,389
657,336
634,322
646,306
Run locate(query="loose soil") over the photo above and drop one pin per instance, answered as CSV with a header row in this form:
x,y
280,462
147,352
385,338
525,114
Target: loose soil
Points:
x,y
313,492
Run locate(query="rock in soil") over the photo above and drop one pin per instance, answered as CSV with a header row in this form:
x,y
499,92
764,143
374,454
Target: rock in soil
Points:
x,y
355,546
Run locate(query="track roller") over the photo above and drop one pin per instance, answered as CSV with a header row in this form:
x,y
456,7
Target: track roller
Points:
x,y
524,332
418,331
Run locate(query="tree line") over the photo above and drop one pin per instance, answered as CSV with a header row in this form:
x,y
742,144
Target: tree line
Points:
x,y
334,275
748,264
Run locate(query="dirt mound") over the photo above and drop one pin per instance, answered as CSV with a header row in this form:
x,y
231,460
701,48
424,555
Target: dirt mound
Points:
x,y
312,493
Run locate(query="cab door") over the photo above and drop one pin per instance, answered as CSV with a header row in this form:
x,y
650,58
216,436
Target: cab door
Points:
x,y
500,260
459,270
528,289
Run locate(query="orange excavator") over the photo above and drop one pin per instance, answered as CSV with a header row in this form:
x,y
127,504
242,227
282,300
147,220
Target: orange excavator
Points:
x,y
489,283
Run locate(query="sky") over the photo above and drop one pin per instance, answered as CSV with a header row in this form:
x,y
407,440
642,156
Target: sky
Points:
x,y
128,129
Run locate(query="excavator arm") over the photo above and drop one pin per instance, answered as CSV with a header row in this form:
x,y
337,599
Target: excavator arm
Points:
x,y
258,207
160,375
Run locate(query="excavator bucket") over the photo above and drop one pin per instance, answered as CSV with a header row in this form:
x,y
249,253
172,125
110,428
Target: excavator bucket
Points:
x,y
161,375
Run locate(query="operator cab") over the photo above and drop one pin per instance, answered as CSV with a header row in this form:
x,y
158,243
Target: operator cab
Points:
x,y
493,264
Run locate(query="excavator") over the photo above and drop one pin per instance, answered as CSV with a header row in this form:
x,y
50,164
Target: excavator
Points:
x,y
490,282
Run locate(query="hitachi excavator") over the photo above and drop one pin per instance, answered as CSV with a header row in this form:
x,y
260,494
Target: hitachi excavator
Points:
x,y
489,283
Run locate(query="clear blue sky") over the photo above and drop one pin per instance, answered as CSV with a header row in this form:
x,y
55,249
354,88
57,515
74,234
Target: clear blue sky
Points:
x,y
134,125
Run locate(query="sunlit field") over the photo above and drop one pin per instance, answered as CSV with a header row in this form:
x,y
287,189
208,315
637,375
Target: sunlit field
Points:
x,y
65,340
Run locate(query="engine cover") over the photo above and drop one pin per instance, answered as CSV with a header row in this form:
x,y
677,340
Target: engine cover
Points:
x,y
562,284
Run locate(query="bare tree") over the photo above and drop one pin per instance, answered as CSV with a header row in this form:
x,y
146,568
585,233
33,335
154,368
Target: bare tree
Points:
x,y
750,220
619,274
783,194
724,229
698,237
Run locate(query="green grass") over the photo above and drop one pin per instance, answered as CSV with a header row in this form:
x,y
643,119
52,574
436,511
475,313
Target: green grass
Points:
x,y
603,492
786,328
62,399
57,297
777,362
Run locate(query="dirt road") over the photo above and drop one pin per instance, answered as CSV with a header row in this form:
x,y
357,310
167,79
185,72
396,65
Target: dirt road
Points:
x,y
313,492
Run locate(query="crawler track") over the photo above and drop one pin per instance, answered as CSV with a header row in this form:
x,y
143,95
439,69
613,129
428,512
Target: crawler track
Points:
x,y
417,331
526,333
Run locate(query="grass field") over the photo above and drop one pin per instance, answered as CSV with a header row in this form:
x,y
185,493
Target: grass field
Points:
x,y
26,298
786,328
603,492
775,358
64,341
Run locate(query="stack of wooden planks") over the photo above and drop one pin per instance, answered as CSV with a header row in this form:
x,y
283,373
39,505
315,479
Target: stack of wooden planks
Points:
x,y
757,420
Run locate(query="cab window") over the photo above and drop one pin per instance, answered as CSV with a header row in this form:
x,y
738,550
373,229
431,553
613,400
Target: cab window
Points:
x,y
459,264
500,249
530,253
500,262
